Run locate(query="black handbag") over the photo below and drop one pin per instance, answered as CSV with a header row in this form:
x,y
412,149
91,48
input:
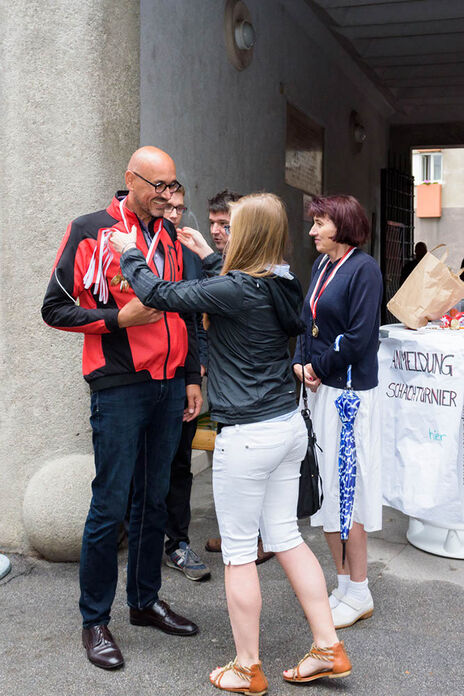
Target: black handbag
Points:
x,y
310,495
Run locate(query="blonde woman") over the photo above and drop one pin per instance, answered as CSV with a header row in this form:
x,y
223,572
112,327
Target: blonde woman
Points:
x,y
253,307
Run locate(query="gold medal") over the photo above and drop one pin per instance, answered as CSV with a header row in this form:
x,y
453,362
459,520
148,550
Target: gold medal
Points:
x,y
119,279
315,330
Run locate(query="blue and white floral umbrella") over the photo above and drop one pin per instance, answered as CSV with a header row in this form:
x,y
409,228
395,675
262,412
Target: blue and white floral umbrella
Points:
x,y
347,405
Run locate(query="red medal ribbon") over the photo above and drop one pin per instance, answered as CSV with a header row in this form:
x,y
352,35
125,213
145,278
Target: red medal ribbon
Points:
x,y
158,226
314,300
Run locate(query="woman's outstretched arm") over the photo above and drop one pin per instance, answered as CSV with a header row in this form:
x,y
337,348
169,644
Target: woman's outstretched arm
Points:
x,y
220,295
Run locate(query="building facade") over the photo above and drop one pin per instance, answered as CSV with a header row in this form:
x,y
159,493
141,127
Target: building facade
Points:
x,y
439,200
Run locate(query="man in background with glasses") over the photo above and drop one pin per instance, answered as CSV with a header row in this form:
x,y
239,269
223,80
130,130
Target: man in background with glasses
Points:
x,y
141,365
179,553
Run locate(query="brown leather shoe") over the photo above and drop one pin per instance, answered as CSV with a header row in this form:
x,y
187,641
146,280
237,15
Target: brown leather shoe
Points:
x,y
101,647
161,616
263,555
213,545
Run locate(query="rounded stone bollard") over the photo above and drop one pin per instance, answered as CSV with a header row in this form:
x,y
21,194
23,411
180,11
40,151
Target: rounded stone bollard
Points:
x,y
56,504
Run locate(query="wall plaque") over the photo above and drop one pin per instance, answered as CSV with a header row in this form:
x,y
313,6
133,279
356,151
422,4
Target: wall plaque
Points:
x,y
304,152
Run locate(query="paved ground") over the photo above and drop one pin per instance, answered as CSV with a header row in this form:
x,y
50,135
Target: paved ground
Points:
x,y
412,646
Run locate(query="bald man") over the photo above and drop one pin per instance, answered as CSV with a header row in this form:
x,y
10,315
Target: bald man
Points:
x,y
140,364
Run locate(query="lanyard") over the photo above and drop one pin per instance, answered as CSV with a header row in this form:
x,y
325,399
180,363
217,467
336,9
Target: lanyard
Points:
x,y
154,242
100,262
157,230
315,296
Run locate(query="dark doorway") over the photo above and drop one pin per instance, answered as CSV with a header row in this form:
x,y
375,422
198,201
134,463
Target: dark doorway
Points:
x,y
396,231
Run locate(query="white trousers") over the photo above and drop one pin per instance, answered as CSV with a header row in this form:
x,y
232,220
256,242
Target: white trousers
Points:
x,y
256,471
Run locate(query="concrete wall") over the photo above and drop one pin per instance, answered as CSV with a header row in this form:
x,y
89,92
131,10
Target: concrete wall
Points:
x,y
453,178
69,121
227,128
448,229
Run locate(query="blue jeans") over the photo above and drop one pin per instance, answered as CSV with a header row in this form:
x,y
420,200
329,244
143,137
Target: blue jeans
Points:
x,y
136,430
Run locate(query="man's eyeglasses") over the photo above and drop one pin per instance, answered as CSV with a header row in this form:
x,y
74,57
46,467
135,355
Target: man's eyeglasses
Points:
x,y
180,209
161,186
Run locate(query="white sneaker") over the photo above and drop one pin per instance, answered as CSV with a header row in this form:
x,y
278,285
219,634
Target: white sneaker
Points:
x,y
335,598
350,610
5,565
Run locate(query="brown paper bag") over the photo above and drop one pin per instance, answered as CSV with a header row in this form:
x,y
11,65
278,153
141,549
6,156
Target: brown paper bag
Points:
x,y
427,293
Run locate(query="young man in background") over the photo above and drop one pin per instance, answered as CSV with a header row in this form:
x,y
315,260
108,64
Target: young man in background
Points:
x,y
179,553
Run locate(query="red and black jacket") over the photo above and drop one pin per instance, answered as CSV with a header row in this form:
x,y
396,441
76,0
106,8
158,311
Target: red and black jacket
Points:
x,y
113,356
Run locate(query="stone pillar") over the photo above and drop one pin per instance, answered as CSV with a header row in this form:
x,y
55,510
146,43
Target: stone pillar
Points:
x,y
69,121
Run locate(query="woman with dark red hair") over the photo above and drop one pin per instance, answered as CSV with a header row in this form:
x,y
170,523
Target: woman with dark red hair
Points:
x,y
342,311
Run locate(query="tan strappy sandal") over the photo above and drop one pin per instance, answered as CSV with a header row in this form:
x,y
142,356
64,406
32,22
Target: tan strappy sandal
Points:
x,y
257,681
336,655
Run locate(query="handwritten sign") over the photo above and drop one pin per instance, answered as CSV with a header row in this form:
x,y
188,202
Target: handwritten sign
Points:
x,y
421,380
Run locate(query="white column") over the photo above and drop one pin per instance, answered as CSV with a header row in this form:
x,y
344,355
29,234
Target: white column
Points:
x,y
69,121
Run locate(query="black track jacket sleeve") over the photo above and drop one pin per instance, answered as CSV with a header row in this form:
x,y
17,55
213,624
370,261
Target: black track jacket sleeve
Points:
x,y
219,295
60,308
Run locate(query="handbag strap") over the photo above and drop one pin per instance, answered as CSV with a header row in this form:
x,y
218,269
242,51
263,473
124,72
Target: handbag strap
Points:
x,y
305,392
303,359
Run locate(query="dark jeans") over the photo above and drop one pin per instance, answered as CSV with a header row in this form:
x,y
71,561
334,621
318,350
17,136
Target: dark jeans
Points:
x,y
178,500
136,430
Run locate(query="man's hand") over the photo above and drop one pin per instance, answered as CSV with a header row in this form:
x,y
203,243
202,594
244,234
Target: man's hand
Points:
x,y
194,240
312,381
122,241
202,370
134,313
194,402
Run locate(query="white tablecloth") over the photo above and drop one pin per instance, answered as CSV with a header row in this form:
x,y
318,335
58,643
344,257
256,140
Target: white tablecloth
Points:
x,y
421,376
